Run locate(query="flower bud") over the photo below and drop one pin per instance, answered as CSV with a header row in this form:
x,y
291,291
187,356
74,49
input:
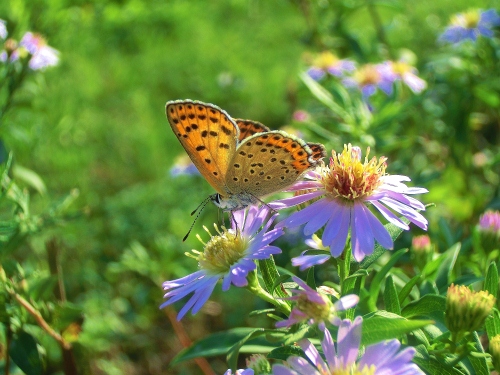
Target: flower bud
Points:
x,y
259,364
421,250
466,310
495,352
489,230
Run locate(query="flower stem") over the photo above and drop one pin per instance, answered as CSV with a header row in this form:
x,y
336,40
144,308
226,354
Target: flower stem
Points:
x,y
254,287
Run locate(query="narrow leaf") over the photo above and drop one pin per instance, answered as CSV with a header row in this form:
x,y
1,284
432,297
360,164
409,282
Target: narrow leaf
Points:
x,y
391,300
491,281
427,306
383,325
492,324
479,362
377,280
270,274
405,292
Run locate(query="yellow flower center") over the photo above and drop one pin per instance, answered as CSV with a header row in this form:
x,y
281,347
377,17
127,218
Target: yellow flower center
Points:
x,y
349,179
469,19
367,75
317,311
325,60
400,67
353,370
222,251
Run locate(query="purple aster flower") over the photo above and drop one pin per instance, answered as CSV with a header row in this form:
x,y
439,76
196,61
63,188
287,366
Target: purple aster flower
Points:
x,y
470,25
369,77
315,307
3,29
248,371
183,166
402,71
327,62
229,255
43,56
343,190
379,359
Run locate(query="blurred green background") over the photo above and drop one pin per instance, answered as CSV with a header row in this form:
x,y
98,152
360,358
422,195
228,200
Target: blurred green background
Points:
x,y
97,124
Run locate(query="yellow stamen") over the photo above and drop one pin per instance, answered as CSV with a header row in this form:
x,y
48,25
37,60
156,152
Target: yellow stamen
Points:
x,y
349,179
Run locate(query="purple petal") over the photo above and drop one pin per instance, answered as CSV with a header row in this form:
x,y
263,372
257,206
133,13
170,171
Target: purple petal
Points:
x,y
322,215
362,238
346,302
312,353
282,370
393,219
329,350
293,201
337,243
303,216
307,261
348,340
379,232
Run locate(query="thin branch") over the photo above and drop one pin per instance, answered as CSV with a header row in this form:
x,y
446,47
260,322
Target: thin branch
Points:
x,y
183,337
41,321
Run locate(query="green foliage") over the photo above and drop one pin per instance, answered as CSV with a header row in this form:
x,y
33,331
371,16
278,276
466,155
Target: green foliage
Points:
x,y
91,218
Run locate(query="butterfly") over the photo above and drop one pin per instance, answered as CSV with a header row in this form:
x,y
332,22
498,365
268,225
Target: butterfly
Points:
x,y
242,160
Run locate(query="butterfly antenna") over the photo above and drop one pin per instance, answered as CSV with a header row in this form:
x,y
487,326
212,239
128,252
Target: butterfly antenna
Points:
x,y
202,205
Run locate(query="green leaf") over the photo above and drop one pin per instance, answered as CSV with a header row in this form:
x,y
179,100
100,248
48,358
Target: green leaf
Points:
x,y
270,274
232,356
310,278
492,324
429,305
491,281
391,300
430,365
446,267
29,177
405,292
216,344
479,362
377,280
24,354
283,352
383,325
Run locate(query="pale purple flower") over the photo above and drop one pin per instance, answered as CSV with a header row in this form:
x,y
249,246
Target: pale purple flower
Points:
x,y
315,307
343,191
383,358
229,256
470,25
402,71
371,77
248,371
43,55
183,166
3,29
327,62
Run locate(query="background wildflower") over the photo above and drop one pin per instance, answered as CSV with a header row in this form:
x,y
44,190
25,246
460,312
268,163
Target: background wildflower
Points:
x,y
378,359
346,188
3,29
228,256
404,72
43,55
327,62
371,77
470,25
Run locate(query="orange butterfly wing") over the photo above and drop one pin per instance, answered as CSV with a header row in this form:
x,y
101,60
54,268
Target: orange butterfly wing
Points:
x,y
249,128
208,135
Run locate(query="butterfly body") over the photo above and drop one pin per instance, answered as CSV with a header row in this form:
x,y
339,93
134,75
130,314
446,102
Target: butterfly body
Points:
x,y
242,159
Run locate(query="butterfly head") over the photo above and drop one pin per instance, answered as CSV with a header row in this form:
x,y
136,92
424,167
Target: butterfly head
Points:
x,y
234,202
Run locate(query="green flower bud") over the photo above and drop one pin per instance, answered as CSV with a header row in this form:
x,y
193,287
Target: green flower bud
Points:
x,y
466,310
495,352
259,364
